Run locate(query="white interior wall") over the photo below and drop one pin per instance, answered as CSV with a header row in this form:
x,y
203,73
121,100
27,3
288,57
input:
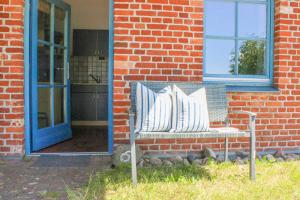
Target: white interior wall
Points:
x,y
89,14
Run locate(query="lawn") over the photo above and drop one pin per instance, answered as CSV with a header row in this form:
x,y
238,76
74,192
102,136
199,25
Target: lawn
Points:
x,y
213,181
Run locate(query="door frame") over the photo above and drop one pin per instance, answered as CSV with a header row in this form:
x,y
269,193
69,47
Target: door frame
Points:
x,y
27,83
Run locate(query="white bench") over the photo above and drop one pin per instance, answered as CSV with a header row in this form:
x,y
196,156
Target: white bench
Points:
x,y
218,112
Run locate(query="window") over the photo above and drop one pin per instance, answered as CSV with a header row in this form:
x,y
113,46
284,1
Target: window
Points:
x,y
238,35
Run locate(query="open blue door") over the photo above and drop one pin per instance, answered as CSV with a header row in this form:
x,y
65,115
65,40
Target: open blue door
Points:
x,y
50,52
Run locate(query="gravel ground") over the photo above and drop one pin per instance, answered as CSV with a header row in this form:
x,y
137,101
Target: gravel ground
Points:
x,y
46,177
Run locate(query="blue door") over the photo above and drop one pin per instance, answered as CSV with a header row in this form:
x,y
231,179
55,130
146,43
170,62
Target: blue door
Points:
x,y
50,85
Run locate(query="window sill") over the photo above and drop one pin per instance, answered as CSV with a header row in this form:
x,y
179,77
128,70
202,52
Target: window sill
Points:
x,y
243,84
240,88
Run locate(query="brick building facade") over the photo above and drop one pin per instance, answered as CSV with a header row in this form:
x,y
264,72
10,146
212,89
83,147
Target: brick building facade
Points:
x,y
162,40
11,77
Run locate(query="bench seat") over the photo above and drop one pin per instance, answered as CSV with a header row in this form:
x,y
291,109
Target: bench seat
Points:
x,y
214,133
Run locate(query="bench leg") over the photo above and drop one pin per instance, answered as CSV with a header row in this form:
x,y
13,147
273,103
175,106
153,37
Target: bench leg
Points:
x,y
133,164
132,150
226,150
252,148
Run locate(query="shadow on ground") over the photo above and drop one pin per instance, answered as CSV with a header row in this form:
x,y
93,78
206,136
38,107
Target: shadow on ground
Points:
x,y
110,180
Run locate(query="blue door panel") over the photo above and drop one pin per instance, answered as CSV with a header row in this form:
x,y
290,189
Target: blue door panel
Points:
x,y
51,136
53,133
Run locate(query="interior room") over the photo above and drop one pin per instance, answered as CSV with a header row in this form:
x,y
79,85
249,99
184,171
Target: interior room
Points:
x,y
88,68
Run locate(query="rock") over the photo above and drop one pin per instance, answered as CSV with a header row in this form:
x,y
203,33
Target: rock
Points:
x,y
270,158
295,156
167,163
191,158
259,157
198,162
179,158
288,158
176,160
280,159
33,183
291,157
245,160
279,153
242,154
122,155
146,162
220,158
186,162
209,153
141,163
232,157
155,162
239,161
204,161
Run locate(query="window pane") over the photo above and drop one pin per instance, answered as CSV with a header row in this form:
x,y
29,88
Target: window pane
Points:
x,y
252,20
59,26
43,64
59,106
252,57
44,113
219,56
59,66
220,18
44,20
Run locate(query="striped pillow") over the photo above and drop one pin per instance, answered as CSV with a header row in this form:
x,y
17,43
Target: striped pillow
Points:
x,y
190,113
154,110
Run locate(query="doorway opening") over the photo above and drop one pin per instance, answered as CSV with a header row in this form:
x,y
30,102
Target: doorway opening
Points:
x,y
72,85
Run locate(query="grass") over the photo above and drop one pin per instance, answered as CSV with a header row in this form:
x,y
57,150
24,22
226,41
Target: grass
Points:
x,y
214,181
50,195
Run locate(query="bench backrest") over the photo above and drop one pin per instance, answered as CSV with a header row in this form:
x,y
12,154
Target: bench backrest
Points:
x,y
216,96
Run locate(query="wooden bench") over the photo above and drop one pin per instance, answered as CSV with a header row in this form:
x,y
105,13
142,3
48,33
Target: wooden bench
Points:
x,y
218,112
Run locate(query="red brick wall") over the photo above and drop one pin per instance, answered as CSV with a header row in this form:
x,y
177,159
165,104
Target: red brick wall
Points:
x,y
11,77
161,40
155,40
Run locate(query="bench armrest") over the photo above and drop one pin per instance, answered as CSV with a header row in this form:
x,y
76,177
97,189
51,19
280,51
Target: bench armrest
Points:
x,y
252,118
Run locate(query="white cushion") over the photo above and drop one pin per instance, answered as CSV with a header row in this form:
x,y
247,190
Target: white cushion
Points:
x,y
190,113
154,110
